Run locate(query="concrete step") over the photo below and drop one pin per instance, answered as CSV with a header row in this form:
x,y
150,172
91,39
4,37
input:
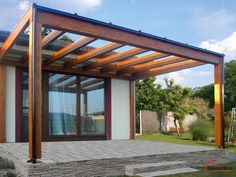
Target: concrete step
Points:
x,y
167,172
152,167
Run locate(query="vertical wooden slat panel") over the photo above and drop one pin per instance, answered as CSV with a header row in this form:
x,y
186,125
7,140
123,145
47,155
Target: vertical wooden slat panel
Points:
x,y
35,93
108,108
2,104
219,105
132,109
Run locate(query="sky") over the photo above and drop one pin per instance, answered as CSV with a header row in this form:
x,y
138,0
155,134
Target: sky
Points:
x,y
209,24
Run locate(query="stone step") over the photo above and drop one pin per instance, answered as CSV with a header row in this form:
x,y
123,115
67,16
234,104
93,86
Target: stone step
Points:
x,y
167,172
152,167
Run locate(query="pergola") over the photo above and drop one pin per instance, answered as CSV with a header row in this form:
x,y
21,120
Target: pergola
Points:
x,y
167,56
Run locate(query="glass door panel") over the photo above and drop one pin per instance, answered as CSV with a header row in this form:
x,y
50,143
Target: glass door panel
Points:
x,y
62,101
92,107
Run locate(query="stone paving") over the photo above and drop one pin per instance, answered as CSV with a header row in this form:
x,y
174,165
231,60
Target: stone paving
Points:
x,y
101,158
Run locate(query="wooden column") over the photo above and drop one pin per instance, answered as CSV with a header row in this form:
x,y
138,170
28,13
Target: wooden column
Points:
x,y
2,104
132,109
219,105
35,93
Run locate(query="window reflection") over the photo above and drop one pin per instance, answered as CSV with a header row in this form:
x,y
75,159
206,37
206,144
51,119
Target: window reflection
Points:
x,y
62,105
92,106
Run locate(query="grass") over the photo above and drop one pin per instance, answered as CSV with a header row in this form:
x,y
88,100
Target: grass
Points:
x,y
183,139
205,173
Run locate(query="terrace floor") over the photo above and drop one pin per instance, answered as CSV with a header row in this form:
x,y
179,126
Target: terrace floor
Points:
x,y
92,158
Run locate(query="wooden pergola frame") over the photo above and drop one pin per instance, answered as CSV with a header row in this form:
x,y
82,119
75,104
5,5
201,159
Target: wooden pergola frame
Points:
x,y
168,56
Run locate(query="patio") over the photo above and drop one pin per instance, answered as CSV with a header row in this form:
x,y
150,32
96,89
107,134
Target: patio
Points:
x,y
103,158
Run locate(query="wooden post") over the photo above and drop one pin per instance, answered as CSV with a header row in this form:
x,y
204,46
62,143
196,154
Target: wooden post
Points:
x,y
2,104
219,104
35,93
132,109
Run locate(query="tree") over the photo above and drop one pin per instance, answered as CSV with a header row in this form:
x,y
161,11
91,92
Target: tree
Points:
x,y
230,85
66,38
176,101
206,93
148,95
201,108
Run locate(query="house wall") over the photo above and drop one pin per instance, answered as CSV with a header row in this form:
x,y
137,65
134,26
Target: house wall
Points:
x,y
120,109
10,105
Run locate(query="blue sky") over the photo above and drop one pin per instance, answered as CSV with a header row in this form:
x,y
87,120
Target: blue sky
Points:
x,y
206,23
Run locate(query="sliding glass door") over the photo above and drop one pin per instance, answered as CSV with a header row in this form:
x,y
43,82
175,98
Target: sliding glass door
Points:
x,y
73,107
62,115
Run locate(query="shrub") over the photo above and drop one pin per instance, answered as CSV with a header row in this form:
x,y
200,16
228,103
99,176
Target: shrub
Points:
x,y
201,129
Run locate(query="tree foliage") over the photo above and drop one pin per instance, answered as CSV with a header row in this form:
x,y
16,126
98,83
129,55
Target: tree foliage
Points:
x,y
230,85
207,92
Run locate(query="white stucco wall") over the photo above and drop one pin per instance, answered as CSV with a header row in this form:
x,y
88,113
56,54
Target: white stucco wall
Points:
x,y
120,109
10,105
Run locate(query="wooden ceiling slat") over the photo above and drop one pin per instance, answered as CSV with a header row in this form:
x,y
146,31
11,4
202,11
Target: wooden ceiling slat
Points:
x,y
114,57
166,69
68,49
150,64
51,37
93,53
133,61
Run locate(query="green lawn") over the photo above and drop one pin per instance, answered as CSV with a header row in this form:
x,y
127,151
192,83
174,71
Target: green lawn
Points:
x,y
183,139
205,173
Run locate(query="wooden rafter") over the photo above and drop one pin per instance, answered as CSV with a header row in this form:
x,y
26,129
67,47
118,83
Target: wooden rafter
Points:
x,y
95,87
51,37
19,29
114,57
111,33
91,82
93,53
68,49
60,79
133,61
151,64
166,69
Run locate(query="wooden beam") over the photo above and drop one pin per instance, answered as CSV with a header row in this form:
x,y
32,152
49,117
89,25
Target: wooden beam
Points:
x,y
3,104
151,64
219,105
93,53
68,49
35,92
19,29
111,33
71,71
114,57
166,69
51,37
132,109
133,61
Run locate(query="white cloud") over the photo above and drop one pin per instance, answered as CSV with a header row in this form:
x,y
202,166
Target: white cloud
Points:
x,y
24,5
204,73
226,46
80,6
215,23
